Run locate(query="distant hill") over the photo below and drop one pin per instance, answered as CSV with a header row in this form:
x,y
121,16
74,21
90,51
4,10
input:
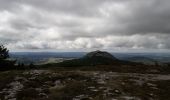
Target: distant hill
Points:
x,y
94,58
99,55
142,59
43,57
101,60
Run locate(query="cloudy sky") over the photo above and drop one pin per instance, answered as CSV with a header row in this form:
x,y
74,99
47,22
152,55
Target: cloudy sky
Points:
x,y
80,25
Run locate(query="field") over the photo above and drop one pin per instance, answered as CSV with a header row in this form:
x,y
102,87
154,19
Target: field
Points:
x,y
55,84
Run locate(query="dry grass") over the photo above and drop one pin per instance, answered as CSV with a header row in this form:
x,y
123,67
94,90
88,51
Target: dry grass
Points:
x,y
84,85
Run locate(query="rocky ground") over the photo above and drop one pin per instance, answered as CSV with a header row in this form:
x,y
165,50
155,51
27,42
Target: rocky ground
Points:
x,y
82,85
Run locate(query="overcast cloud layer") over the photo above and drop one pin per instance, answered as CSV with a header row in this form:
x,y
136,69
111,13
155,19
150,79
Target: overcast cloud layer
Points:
x,y
85,24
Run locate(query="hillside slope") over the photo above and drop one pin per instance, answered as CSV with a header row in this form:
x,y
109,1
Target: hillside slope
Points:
x,y
93,59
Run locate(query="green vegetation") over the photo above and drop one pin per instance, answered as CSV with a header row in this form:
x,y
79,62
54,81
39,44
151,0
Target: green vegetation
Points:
x,y
8,64
4,63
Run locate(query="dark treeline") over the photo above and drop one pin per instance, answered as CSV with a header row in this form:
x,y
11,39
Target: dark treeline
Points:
x,y
7,64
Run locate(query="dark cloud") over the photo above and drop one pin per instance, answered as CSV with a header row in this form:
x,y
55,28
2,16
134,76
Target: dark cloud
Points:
x,y
79,24
149,17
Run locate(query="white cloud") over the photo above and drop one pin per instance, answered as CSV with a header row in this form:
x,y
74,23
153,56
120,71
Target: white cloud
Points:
x,y
85,24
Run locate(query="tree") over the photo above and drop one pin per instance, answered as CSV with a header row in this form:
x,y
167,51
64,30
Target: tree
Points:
x,y
4,53
5,64
31,66
20,66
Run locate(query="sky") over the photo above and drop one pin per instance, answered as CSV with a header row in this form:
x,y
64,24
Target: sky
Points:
x,y
84,25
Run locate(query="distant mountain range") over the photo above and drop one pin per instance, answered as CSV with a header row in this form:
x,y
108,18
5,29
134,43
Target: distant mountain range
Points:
x,y
51,57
